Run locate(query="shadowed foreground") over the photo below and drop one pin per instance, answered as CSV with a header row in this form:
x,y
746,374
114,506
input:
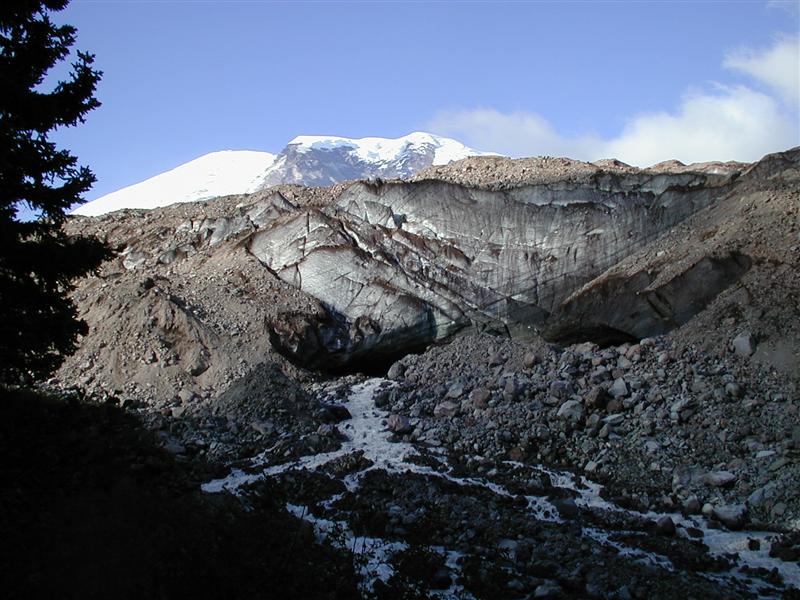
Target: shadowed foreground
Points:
x,y
89,508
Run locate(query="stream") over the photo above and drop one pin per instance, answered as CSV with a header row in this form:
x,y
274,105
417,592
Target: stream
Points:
x,y
751,571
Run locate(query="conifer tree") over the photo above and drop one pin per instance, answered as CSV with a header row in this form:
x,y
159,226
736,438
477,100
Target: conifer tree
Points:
x,y
38,322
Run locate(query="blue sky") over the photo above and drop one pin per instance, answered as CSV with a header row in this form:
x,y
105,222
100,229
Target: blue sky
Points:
x,y
640,80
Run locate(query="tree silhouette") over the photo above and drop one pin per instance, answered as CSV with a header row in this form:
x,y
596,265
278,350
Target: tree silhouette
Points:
x,y
38,322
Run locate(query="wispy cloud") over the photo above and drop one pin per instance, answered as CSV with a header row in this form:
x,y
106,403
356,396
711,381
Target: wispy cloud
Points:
x,y
777,66
723,123
514,134
790,6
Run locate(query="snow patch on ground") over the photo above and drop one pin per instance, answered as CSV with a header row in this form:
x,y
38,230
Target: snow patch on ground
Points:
x,y
366,433
720,542
216,174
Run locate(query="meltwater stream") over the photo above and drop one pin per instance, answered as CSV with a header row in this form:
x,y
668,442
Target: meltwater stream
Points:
x,y
366,434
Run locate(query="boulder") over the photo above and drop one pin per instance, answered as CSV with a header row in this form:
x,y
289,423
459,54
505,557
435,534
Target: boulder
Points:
x,y
734,390
733,516
456,390
399,424
561,389
572,411
530,360
691,506
744,344
665,526
479,397
719,478
511,390
445,410
396,371
566,508
619,388
596,398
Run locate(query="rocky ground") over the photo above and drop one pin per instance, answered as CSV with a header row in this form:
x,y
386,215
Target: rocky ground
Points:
x,y
498,173
489,468
756,228
664,427
91,507
485,467
424,519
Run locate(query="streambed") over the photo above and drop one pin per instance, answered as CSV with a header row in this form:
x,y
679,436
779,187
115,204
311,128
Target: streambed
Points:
x,y
411,521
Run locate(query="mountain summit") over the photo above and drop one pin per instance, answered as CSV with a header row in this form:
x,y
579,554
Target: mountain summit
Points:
x,y
307,160
324,160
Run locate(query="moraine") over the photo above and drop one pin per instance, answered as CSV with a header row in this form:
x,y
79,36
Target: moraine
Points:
x,y
738,562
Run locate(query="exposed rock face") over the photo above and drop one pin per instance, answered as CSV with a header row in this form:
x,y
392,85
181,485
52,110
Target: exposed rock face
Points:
x,y
399,265
620,309
738,257
379,270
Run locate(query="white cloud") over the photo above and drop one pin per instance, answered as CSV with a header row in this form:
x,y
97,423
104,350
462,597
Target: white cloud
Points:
x,y
777,67
725,123
735,124
514,134
789,6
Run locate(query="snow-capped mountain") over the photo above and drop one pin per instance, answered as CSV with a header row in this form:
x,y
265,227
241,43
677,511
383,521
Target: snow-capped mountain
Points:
x,y
307,160
324,160
211,175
